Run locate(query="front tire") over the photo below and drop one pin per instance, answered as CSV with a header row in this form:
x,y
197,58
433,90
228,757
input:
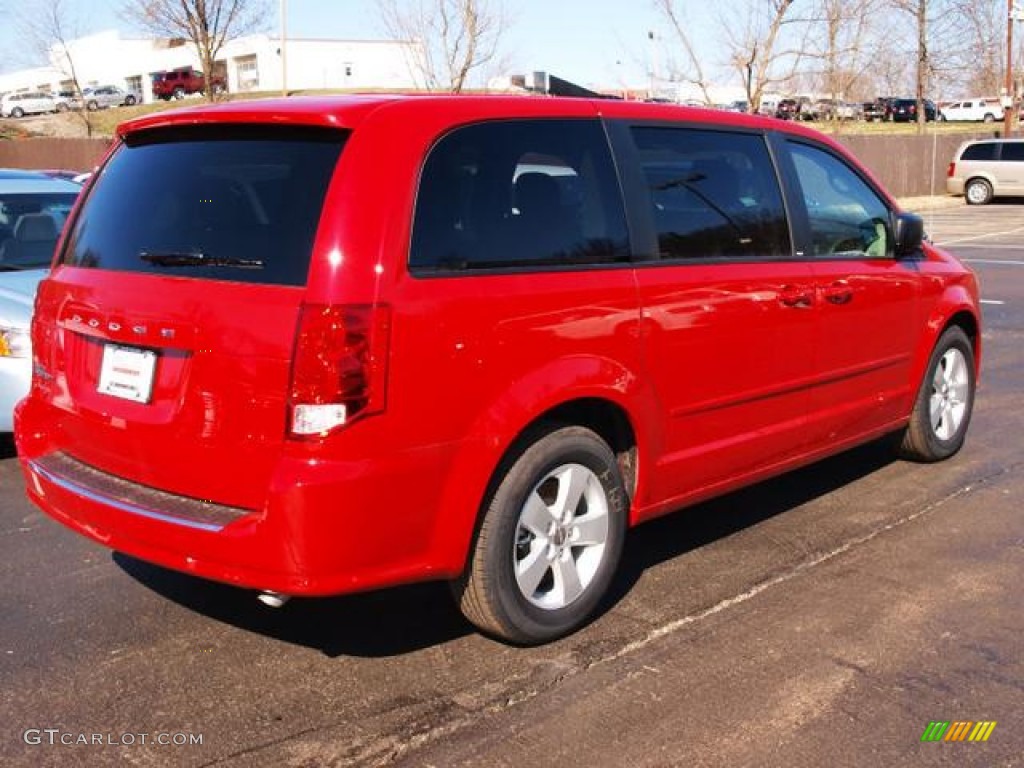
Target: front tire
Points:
x,y
17,112
179,93
978,192
945,401
550,539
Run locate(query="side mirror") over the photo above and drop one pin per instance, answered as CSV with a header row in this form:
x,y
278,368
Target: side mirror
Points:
x,y
909,235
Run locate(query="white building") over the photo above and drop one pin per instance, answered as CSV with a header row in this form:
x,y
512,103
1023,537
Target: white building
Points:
x,y
251,63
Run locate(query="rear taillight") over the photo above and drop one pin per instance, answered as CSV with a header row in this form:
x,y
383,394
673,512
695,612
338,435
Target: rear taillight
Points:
x,y
951,170
339,370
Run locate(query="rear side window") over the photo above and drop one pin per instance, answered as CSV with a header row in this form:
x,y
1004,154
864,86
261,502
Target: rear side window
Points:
x,y
712,193
1013,151
983,151
519,193
226,203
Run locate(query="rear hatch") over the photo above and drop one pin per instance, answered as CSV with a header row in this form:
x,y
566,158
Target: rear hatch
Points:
x,y
164,338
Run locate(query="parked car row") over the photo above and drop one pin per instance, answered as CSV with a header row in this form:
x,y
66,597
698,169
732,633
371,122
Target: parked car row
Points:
x,y
822,109
21,103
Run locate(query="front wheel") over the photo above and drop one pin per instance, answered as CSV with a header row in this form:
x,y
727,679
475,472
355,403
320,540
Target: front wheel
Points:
x,y
92,106
942,411
179,93
17,112
550,539
129,101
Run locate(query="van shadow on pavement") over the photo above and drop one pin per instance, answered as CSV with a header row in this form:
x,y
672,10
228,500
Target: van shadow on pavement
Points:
x,y
409,618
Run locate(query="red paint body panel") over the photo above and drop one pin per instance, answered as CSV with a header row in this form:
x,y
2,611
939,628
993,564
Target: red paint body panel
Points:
x,y
722,380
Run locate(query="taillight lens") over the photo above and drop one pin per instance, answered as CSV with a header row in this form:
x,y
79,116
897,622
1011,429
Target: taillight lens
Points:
x,y
951,170
340,366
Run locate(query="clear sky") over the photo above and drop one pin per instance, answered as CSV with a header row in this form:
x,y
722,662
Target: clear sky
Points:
x,y
591,42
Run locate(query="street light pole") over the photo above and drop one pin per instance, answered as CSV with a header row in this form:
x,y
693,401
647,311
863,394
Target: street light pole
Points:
x,y
283,10
1008,109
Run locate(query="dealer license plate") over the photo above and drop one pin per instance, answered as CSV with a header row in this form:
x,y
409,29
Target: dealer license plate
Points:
x,y
127,372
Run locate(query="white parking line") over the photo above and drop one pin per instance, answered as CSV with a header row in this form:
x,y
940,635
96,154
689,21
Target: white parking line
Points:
x,y
1009,262
996,302
986,236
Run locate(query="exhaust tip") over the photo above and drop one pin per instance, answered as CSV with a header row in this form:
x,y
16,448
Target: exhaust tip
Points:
x,y
273,599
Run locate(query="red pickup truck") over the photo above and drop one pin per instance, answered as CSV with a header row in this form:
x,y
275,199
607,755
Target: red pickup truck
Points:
x,y
177,83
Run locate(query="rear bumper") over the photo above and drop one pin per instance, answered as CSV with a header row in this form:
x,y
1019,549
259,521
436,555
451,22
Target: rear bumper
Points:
x,y
327,527
954,186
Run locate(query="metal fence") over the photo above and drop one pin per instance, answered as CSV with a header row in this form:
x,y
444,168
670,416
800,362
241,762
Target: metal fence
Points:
x,y
907,165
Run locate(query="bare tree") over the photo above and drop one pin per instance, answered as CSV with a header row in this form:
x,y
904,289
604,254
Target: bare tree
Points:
x,y
843,43
938,34
207,23
760,52
690,70
983,50
49,27
451,39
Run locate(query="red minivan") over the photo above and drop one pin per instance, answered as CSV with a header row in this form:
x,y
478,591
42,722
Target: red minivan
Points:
x,y
315,346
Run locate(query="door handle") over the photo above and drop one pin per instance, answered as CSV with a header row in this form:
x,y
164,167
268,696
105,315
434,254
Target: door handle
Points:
x,y
798,297
838,293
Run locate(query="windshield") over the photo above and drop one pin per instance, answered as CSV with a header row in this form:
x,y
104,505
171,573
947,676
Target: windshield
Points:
x,y
29,227
222,203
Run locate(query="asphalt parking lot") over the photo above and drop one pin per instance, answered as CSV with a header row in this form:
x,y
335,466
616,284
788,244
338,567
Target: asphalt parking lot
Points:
x,y
822,618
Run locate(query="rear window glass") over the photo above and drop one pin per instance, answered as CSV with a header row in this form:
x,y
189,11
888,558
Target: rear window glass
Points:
x,y
29,226
519,193
226,203
983,151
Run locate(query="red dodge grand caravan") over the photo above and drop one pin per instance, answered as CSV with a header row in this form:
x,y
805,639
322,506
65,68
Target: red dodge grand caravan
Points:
x,y
317,346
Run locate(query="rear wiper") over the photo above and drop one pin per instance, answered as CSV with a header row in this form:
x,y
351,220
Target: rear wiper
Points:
x,y
198,259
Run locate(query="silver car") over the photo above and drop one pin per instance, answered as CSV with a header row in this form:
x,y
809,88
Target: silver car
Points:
x,y
107,96
33,209
987,168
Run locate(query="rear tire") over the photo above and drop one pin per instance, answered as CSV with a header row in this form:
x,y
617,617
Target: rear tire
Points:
x,y
978,192
945,400
550,539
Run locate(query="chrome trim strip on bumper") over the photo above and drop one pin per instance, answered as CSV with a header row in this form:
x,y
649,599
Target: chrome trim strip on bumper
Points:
x,y
71,475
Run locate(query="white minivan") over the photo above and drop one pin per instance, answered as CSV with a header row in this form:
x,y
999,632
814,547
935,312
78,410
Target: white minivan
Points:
x,y
23,103
987,168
